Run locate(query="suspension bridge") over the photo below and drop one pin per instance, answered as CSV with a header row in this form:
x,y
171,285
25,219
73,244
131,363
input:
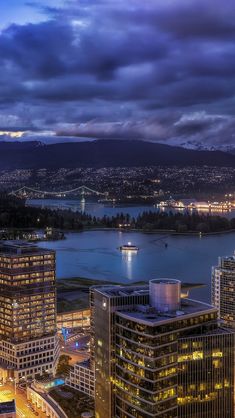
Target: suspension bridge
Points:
x,y
26,192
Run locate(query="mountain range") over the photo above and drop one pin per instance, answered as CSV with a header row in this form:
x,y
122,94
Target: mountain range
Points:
x,y
105,153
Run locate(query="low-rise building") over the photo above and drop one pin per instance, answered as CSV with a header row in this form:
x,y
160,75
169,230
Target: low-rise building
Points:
x,y
73,319
82,378
43,402
8,409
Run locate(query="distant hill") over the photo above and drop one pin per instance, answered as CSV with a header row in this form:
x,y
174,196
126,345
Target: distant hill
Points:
x,y
105,153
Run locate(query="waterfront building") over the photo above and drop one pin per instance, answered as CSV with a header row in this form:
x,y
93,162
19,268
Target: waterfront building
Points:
x,y
157,355
8,409
223,289
28,336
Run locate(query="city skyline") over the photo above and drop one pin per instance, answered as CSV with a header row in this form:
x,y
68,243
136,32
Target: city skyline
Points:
x,y
160,353
161,71
117,199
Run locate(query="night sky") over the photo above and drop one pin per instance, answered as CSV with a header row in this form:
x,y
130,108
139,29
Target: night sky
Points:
x,y
159,70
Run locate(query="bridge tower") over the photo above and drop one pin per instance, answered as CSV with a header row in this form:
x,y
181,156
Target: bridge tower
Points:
x,y
83,200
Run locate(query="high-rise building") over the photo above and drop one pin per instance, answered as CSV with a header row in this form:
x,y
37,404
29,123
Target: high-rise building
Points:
x,y
223,289
157,355
28,335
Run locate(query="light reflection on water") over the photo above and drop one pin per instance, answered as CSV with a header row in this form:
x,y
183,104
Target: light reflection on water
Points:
x,y
128,259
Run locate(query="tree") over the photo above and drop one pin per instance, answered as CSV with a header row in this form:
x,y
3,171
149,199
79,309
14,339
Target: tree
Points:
x,y
202,227
63,364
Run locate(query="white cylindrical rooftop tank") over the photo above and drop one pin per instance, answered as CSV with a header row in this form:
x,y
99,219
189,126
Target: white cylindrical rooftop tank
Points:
x,y
164,294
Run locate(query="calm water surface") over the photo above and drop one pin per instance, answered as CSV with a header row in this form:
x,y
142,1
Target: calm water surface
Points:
x,y
100,209
95,254
92,208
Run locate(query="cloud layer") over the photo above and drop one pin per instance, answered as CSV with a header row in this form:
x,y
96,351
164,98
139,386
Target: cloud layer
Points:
x,y
157,70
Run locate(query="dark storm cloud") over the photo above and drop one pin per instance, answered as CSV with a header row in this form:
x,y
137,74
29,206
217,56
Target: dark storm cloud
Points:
x,y
211,19
123,69
207,129
145,129
189,129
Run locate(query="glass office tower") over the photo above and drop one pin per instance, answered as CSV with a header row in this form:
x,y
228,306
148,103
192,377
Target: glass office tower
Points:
x,y
223,289
159,356
28,335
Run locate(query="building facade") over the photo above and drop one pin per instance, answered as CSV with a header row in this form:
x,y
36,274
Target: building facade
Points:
x,y
44,403
159,356
82,378
223,289
73,319
28,334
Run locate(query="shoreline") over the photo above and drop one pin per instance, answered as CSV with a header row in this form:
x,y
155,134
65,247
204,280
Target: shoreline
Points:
x,y
150,223
73,292
166,232
154,231
85,281
102,228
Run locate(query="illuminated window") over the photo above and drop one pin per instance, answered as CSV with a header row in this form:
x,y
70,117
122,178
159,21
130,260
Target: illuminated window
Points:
x,y
226,383
217,364
186,357
217,354
197,344
198,355
184,346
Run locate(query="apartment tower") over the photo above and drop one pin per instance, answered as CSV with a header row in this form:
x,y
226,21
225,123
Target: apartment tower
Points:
x,y
223,289
28,335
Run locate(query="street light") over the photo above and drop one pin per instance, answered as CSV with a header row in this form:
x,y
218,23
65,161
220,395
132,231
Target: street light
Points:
x,y
13,379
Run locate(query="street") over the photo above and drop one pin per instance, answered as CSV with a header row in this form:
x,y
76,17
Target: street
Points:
x,y
22,410
77,347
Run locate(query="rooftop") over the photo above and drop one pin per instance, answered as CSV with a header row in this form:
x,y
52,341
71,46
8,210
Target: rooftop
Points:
x,y
115,291
165,281
85,363
228,257
120,290
7,407
19,247
149,316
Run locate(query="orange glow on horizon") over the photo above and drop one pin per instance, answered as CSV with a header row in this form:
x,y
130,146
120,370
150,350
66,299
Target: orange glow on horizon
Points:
x,y
16,134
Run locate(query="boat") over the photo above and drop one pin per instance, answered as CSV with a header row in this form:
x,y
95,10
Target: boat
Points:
x,y
128,247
